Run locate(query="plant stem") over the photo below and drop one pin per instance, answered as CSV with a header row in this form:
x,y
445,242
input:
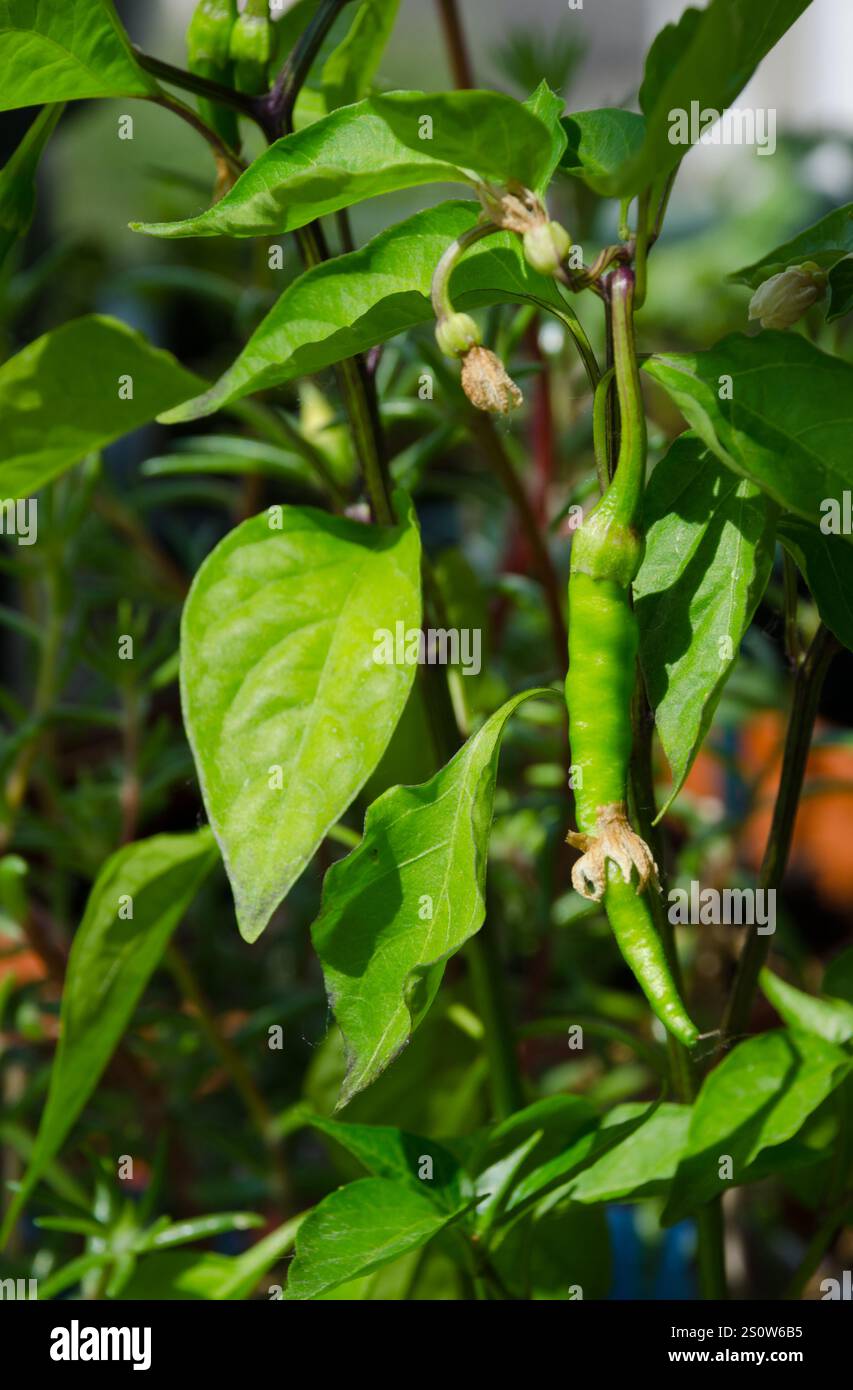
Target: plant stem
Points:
x,y
793,648
229,165
482,426
457,48
487,982
276,108
816,1249
808,684
200,86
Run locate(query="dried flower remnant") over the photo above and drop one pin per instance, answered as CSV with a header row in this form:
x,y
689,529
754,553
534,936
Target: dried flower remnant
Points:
x,y
614,839
487,384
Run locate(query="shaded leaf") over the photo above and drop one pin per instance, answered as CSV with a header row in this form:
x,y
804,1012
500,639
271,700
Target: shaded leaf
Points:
x,y
111,961
353,302
643,1163
18,179
787,425
600,142
840,290
355,1230
286,710
709,552
406,899
59,397
62,52
759,1096
826,563
387,1152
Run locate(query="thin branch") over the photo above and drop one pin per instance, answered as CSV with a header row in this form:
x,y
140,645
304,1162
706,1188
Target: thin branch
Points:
x,y
228,164
808,684
275,110
457,47
199,86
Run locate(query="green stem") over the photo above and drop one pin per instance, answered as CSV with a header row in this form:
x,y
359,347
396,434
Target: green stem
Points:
x,y
626,490
276,108
226,160
816,1249
808,684
200,86
641,248
487,982
599,429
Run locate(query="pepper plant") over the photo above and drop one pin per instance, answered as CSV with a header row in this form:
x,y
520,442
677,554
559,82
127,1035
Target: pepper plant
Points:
x,y
332,740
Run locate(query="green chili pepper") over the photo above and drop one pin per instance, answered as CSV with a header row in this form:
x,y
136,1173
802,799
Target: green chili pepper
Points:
x,y
208,55
603,639
251,48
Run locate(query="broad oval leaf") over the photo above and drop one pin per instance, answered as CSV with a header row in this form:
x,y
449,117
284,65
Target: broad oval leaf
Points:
x,y
831,1019
65,51
112,958
59,397
286,709
371,148
353,302
709,552
773,408
826,563
358,1228
706,59
825,242
600,142
388,1152
759,1096
421,845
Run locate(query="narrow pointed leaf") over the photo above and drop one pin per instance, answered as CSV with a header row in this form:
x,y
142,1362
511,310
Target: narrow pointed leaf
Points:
x,y
18,179
831,1019
709,552
406,899
286,710
63,50
111,961
353,302
350,69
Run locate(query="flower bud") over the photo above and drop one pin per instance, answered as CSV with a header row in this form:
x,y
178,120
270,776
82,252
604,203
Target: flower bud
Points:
x,y
456,334
546,246
784,298
487,384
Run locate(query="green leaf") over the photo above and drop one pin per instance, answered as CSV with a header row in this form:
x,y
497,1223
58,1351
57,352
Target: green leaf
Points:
x,y
600,142
353,302
548,107
355,1230
558,1250
406,899
532,1150
350,69
286,710
787,425
643,1164
18,179
707,58
59,397
63,52
387,1152
111,961
759,1096
371,148
831,1019
825,243
826,563
709,552
840,290
202,1228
